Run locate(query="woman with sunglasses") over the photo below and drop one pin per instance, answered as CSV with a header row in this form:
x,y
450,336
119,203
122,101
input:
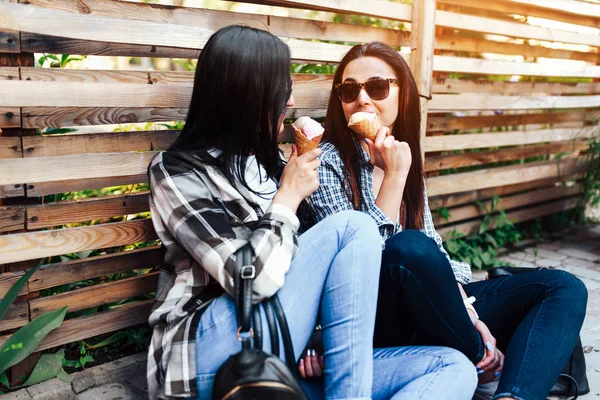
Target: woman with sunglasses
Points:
x,y
222,185
424,296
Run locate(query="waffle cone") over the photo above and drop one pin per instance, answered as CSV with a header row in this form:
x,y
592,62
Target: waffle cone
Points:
x,y
366,128
305,144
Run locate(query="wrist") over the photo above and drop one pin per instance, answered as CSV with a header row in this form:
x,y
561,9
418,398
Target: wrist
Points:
x,y
290,201
395,175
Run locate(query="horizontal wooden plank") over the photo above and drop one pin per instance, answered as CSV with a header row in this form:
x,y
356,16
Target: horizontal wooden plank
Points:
x,y
30,246
16,316
9,73
79,166
512,88
495,67
9,42
579,9
470,159
51,275
516,216
107,76
479,140
112,142
491,177
10,147
64,212
8,191
513,29
8,279
461,198
460,123
97,295
470,211
489,102
12,218
75,185
472,45
10,117
56,117
88,326
558,10
217,19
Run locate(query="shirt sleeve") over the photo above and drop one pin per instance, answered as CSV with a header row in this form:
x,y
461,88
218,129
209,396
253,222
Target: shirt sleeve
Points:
x,y
203,227
331,198
462,270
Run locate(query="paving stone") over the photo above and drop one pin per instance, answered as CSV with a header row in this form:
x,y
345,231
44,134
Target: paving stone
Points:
x,y
579,263
18,395
114,391
552,246
82,383
580,253
523,256
518,262
547,263
52,389
545,253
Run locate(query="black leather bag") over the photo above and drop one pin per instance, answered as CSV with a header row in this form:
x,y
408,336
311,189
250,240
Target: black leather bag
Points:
x,y
253,373
573,379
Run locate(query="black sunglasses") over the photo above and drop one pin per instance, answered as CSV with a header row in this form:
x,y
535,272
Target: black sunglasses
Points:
x,y
377,89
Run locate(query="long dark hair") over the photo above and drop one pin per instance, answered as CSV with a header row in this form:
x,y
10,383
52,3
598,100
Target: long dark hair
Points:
x,y
241,88
406,128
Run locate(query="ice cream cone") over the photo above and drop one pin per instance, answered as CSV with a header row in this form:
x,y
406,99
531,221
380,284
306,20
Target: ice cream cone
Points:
x,y
305,144
365,124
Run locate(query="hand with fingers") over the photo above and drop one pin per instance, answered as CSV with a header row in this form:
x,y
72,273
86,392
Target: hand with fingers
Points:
x,y
299,179
392,156
312,365
493,362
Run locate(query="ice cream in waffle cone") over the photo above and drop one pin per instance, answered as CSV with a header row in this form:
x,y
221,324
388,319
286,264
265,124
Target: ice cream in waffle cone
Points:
x,y
308,134
365,124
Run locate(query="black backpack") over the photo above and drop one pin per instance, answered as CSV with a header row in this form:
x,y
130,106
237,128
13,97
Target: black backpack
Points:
x,y
253,374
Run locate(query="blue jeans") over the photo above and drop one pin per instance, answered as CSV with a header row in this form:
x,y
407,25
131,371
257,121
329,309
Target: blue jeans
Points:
x,y
336,273
535,317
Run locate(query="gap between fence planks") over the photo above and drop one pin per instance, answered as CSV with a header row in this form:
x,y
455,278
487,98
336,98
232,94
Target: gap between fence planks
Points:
x,y
96,295
33,245
96,324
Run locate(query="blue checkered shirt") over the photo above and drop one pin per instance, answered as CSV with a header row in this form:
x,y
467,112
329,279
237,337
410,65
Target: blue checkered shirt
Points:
x,y
331,198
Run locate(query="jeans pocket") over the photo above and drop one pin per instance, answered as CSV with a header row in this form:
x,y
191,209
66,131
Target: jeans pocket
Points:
x,y
205,385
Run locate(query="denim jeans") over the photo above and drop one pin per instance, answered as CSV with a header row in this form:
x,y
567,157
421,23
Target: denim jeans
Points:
x,y
336,273
535,317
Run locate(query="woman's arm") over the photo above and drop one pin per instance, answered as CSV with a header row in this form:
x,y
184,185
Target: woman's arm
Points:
x,y
183,203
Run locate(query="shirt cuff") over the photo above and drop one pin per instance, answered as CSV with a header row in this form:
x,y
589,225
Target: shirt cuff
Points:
x,y
285,214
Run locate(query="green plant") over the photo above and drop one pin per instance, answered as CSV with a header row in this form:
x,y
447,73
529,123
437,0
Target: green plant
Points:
x,y
58,60
480,249
24,341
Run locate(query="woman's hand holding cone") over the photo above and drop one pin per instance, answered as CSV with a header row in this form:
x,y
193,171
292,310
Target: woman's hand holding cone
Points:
x,y
389,154
299,179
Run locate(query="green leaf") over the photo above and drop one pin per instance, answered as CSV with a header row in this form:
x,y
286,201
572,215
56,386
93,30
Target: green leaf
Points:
x,y
483,227
63,376
13,292
490,239
486,258
112,339
477,262
452,246
4,380
27,339
47,367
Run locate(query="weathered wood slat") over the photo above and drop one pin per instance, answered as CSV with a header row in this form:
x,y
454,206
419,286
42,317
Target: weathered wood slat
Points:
x,y
51,275
96,324
16,317
487,178
10,117
96,295
75,185
512,88
107,76
461,198
470,159
112,142
9,73
30,246
516,216
216,19
10,147
64,212
491,102
12,218
79,166
494,67
479,140
8,279
471,45
9,42
507,203
461,123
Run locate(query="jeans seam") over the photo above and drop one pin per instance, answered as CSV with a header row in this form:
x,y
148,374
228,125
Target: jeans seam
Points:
x,y
437,373
354,303
443,319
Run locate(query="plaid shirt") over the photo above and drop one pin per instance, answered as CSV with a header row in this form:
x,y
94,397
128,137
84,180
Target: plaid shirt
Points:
x,y
202,220
331,198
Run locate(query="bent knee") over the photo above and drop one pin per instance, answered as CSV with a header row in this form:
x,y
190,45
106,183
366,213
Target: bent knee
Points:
x,y
462,368
416,252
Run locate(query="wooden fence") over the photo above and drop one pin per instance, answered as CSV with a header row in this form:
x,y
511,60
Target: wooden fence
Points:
x,y
463,111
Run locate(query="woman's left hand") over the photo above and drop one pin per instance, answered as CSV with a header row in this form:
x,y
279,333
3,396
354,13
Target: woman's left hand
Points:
x,y
494,359
311,365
